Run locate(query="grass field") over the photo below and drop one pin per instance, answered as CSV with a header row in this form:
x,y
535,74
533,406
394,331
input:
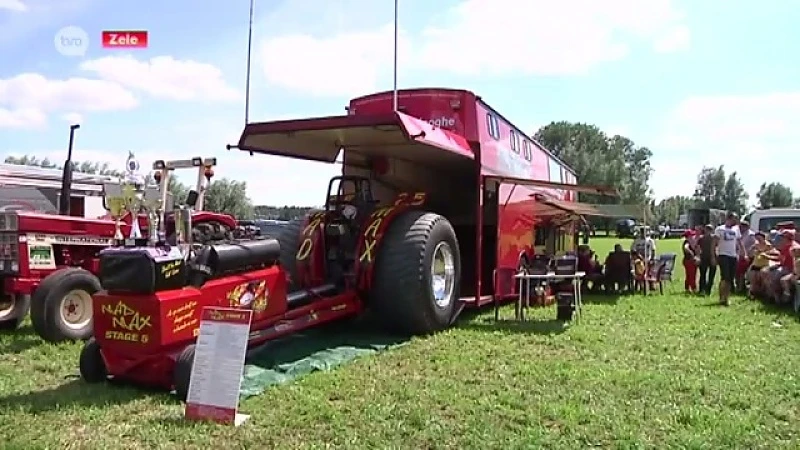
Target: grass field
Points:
x,y
658,372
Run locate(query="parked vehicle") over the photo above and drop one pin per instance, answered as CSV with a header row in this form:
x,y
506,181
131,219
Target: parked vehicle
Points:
x,y
437,208
768,219
50,262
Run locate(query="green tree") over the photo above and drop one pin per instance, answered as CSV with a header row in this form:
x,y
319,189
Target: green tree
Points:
x,y
774,195
716,190
229,197
93,168
599,159
670,209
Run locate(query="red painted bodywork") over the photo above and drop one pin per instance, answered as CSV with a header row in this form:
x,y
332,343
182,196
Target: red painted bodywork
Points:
x,y
141,336
27,279
477,142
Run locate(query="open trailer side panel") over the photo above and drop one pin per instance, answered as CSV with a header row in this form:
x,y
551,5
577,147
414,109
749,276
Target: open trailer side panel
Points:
x,y
530,221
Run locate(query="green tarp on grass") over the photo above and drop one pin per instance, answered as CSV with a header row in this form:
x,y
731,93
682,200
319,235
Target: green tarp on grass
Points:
x,y
322,349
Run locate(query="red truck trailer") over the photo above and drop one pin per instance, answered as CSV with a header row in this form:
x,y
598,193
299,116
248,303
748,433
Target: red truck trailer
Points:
x,y
497,186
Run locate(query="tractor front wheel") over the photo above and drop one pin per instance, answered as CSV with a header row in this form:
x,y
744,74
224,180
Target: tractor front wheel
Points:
x,y
61,307
13,309
182,374
417,274
92,366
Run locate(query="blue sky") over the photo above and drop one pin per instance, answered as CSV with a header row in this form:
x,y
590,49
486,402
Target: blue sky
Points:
x,y
699,83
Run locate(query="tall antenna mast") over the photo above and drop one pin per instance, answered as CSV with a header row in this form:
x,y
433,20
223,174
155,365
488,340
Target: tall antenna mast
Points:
x,y
394,98
249,58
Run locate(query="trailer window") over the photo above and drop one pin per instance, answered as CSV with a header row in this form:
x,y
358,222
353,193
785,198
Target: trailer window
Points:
x,y
540,237
555,171
526,149
513,138
492,126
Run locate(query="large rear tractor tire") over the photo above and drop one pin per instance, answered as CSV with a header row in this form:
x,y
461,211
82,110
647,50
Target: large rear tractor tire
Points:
x,y
289,239
417,275
13,309
61,307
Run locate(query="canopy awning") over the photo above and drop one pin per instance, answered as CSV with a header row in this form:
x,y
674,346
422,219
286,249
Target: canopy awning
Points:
x,y
548,205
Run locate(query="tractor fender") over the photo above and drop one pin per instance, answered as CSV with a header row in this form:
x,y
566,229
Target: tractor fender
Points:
x,y
373,231
208,216
303,250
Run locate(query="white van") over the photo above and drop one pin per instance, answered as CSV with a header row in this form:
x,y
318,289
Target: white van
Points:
x,y
767,219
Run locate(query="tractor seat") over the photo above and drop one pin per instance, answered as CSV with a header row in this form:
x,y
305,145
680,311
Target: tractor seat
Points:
x,y
238,256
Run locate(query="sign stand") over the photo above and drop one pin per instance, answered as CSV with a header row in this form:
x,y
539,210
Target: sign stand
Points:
x,y
218,366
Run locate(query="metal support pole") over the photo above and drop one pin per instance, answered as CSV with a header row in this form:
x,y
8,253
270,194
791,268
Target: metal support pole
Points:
x,y
396,32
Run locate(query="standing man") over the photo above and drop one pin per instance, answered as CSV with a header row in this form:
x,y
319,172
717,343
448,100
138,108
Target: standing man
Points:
x,y
644,245
748,243
728,246
708,260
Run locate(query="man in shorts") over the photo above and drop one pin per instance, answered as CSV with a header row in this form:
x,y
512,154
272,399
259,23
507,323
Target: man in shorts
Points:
x,y
728,247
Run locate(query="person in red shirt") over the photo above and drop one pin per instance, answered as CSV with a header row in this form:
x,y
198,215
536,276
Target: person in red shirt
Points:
x,y
690,260
789,252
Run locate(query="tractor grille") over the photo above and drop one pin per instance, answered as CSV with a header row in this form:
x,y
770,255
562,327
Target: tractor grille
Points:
x,y
9,252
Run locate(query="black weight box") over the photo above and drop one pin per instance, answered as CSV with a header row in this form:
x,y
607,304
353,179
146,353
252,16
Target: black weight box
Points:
x,y
141,270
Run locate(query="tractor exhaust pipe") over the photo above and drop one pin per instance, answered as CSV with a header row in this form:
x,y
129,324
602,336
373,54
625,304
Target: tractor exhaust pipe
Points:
x,y
66,177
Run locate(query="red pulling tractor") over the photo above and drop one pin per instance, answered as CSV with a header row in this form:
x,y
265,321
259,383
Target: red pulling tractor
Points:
x,y
49,263
322,268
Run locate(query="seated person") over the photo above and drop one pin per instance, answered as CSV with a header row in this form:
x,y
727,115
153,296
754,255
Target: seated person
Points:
x,y
592,269
617,269
762,256
783,277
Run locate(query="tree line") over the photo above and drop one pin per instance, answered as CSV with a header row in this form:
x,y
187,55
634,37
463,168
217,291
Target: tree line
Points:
x,y
597,158
600,158
223,195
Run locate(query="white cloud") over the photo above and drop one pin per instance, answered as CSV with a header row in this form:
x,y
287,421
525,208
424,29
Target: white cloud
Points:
x,y
13,5
26,99
165,77
676,39
73,118
22,118
340,65
476,38
754,135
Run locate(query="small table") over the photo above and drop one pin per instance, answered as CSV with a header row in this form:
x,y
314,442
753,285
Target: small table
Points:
x,y
549,277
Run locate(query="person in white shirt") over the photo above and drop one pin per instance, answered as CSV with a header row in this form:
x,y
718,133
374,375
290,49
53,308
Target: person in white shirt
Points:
x,y
644,245
728,247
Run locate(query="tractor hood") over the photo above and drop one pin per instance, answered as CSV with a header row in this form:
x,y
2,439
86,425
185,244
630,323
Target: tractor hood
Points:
x,y
394,135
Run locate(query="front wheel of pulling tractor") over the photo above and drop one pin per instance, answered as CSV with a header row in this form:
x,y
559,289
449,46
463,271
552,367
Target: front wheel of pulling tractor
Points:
x,y
92,366
182,374
417,274
61,307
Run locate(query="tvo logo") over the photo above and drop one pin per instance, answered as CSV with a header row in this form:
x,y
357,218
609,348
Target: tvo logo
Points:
x,y
443,122
72,41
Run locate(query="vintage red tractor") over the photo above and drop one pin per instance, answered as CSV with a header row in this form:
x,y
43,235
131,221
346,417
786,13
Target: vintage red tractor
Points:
x,y
48,262
322,268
